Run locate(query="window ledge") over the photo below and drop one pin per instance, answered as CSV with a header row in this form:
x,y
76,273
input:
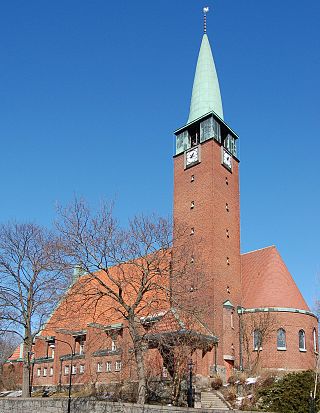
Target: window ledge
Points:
x,y
282,348
302,350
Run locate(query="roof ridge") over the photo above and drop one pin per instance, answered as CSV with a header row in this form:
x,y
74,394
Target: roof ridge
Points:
x,y
259,249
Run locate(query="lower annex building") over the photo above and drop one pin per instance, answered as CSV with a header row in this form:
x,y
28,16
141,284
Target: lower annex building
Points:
x,y
256,316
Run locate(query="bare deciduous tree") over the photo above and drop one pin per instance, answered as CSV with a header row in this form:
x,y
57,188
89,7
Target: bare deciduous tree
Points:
x,y
31,282
256,330
130,270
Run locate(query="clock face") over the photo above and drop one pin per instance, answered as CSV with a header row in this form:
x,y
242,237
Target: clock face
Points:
x,y
192,156
227,159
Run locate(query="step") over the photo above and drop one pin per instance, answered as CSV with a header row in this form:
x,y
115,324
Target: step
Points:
x,y
210,400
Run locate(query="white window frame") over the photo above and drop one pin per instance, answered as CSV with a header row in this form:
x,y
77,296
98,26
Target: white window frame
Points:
x,y
256,347
99,367
74,369
81,368
39,372
282,348
118,365
114,345
303,349
315,341
108,366
66,370
45,370
51,371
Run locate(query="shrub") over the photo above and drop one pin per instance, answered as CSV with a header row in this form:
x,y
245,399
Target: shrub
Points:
x,y
216,382
232,379
290,394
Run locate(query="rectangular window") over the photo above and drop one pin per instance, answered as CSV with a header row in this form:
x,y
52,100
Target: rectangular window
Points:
x,y
81,369
118,366
183,142
108,366
99,367
231,320
38,372
210,128
230,144
66,369
51,371
257,340
113,345
45,372
74,369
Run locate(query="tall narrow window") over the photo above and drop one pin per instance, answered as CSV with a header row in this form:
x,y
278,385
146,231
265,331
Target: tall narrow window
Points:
x,y
302,340
113,345
315,341
281,339
118,366
257,340
99,367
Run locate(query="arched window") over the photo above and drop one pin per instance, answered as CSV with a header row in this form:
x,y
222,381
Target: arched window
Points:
x,y
302,340
281,339
315,341
257,340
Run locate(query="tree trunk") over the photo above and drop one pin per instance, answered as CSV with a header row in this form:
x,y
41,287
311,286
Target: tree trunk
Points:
x,y
25,379
142,384
138,346
27,346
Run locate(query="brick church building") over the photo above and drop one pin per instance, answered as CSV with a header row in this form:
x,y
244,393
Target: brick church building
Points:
x,y
256,314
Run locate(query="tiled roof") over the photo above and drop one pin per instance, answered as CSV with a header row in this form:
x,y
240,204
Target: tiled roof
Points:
x,y
266,281
15,355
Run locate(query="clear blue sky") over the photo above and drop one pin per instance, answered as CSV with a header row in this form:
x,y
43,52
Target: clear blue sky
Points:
x,y
90,92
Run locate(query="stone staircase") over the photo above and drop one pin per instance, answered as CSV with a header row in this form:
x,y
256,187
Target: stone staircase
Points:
x,y
210,400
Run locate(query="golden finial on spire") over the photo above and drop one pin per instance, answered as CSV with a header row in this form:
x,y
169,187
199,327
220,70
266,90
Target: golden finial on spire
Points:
x,y
205,11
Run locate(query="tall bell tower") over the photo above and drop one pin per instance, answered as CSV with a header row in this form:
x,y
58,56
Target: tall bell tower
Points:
x,y
206,200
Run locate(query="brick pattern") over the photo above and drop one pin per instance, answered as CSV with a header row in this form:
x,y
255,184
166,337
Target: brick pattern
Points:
x,y
266,281
216,222
292,358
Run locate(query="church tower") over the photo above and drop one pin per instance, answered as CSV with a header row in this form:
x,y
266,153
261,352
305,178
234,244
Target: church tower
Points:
x,y
206,200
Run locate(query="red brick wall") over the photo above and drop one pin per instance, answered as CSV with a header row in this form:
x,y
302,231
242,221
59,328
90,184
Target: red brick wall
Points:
x,y
291,358
211,219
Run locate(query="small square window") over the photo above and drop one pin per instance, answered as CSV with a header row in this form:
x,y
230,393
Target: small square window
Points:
x,y
192,231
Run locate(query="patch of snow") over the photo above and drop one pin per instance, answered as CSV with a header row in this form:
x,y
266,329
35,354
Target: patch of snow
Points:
x,y
251,380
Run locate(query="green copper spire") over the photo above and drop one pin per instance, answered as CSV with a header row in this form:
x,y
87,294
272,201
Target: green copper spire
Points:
x,y
205,92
